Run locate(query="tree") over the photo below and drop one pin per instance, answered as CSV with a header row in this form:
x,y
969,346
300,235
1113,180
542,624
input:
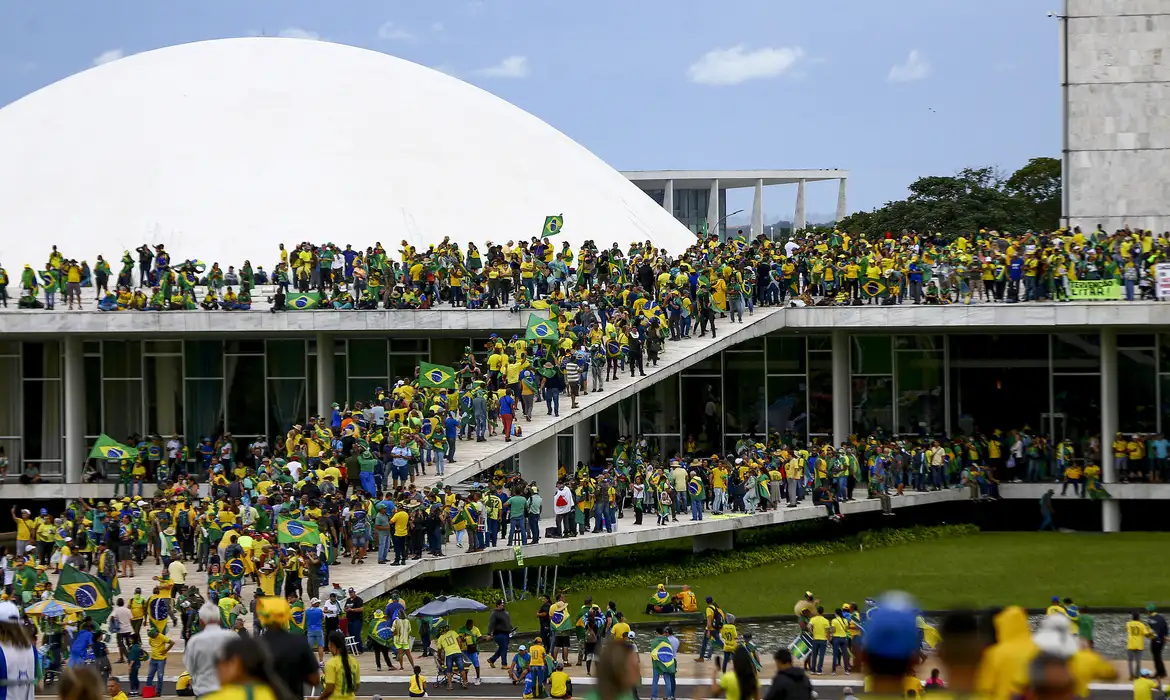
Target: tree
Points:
x,y
972,199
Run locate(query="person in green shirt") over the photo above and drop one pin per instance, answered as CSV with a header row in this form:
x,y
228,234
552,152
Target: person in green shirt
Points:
x,y
518,533
1085,625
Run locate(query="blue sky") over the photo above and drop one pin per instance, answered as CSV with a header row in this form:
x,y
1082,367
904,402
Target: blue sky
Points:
x,y
888,90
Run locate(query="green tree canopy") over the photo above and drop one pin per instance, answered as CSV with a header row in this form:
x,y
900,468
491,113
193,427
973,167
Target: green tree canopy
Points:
x,y
972,199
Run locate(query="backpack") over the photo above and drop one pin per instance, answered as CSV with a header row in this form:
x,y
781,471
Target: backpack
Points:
x,y
717,620
184,519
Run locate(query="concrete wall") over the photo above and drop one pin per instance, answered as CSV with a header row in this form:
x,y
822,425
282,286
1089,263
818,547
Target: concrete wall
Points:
x,y
1118,110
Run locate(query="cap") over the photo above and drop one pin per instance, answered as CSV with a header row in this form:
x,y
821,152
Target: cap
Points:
x,y
892,630
522,647
9,612
315,601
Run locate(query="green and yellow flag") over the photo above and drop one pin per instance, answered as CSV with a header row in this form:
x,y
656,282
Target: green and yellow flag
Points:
x,y
158,609
83,590
873,288
289,531
303,302
541,329
553,225
435,376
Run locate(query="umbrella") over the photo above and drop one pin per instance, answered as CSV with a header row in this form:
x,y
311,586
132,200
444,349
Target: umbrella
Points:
x,y
53,608
108,448
444,605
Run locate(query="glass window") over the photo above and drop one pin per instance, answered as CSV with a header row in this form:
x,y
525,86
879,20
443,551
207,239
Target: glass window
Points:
x,y
1135,340
820,342
744,401
750,344
10,398
404,366
286,405
820,393
286,358
710,365
362,389
244,378
702,408
1076,352
42,420
122,401
92,347
244,347
165,347
122,359
659,407
9,347
93,394
921,404
871,354
42,360
1164,352
164,395
1007,346
1136,391
786,354
367,358
204,409
203,358
615,421
787,406
1076,401
873,405
565,452
415,345
664,446
919,342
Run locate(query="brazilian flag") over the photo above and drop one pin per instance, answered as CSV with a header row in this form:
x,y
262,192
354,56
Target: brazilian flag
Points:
x,y
48,278
235,568
541,329
289,531
303,302
553,225
297,621
158,609
560,618
384,632
662,654
873,288
435,376
83,590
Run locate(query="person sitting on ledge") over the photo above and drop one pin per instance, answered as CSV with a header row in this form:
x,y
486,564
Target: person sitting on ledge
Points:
x,y
210,302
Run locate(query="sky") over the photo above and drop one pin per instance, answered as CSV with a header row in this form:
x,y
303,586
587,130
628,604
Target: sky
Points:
x,y
890,91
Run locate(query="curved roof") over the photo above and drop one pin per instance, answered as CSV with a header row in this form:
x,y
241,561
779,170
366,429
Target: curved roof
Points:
x,y
222,149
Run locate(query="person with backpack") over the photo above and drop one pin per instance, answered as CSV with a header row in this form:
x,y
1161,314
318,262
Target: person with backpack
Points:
x,y
714,623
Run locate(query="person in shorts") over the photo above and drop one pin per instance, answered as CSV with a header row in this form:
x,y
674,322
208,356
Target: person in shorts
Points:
x,y
315,628
452,651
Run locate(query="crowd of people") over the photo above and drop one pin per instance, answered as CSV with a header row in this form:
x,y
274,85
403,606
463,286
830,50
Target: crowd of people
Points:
x,y
822,267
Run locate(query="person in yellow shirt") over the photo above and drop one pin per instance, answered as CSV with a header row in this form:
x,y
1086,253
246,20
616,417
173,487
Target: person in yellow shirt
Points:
x,y
1144,686
620,628
818,627
400,522
343,675
729,635
452,655
114,689
160,645
1088,666
839,637
1136,633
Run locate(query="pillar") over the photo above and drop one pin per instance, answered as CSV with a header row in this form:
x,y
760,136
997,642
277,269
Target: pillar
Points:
x,y
74,409
581,442
758,209
668,197
713,208
481,576
326,392
718,541
841,399
798,220
538,462
1110,509
841,211
168,391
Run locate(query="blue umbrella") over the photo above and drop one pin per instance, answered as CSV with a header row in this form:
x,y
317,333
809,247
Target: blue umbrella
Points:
x,y
444,606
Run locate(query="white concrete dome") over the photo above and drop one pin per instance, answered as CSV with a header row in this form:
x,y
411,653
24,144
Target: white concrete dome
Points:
x,y
222,149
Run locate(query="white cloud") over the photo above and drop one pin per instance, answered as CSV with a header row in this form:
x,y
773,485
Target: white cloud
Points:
x,y
108,57
391,32
737,64
437,27
298,33
510,67
914,68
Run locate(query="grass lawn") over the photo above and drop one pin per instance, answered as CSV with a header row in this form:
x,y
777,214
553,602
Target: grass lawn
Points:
x,y
979,571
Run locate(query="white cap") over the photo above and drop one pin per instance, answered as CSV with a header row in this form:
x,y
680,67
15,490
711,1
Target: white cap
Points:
x,y
738,460
141,503
68,539
30,548
315,601
630,634
9,612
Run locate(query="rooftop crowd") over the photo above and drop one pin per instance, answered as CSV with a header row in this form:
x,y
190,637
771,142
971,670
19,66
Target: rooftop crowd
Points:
x,y
814,267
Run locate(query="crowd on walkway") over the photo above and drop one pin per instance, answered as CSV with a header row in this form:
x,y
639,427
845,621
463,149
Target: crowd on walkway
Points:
x,y
814,267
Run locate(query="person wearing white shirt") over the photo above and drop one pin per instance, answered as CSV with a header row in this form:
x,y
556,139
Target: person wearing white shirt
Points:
x,y
563,508
294,468
332,609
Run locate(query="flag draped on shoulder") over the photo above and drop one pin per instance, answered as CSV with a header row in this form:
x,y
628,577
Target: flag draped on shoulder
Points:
x,y
541,329
290,531
85,591
435,376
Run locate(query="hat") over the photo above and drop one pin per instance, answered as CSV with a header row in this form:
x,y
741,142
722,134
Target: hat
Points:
x,y
9,612
315,601
892,630
522,647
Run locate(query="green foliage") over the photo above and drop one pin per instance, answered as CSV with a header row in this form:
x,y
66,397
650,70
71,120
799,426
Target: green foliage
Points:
x,y
972,199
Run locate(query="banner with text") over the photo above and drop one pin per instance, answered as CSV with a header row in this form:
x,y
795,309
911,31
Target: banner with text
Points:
x,y
1089,290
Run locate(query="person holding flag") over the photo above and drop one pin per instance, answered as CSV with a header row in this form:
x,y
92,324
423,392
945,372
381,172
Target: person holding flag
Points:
x,y
663,657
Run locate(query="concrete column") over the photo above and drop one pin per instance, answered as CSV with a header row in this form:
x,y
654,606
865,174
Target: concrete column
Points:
x,y
668,197
326,392
713,208
581,446
477,576
74,409
758,209
538,462
167,386
841,211
841,399
798,220
1110,509
717,541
